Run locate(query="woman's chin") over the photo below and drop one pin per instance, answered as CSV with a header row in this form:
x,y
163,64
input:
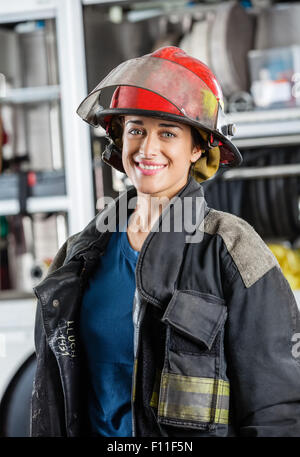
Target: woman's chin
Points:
x,y
146,186
148,189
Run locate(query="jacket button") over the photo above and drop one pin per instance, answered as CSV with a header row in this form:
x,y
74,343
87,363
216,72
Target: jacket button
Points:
x,y
55,303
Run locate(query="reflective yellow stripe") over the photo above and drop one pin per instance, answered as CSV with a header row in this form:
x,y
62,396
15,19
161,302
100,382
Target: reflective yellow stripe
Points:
x,y
154,398
193,413
192,398
220,415
195,384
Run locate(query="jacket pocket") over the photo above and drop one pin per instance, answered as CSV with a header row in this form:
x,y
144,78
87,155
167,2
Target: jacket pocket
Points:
x,y
198,317
194,390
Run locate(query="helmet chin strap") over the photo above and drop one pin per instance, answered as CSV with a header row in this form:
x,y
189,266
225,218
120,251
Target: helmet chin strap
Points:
x,y
113,157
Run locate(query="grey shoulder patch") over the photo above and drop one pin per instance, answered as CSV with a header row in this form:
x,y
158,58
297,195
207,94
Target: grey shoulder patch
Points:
x,y
251,255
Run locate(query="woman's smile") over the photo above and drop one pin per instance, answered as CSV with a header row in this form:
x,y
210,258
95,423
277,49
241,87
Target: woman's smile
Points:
x,y
149,168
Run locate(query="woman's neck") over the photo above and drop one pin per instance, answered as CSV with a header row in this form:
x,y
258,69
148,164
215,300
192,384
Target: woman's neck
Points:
x,y
147,211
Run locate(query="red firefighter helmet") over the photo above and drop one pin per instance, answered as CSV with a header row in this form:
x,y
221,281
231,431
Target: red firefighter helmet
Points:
x,y
166,84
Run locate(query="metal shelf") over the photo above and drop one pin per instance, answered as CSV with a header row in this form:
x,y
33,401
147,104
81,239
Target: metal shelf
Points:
x,y
23,10
266,127
11,207
31,95
270,171
15,295
265,115
281,140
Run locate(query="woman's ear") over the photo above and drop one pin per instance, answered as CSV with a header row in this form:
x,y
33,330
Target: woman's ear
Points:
x,y
196,153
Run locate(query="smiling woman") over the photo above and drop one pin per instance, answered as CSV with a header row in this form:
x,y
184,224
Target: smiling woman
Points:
x,y
175,335
157,155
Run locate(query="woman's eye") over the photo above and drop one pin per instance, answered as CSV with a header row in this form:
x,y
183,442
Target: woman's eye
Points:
x,y
168,134
135,131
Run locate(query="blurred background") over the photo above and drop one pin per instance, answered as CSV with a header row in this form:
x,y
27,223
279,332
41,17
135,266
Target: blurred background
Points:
x,y
52,53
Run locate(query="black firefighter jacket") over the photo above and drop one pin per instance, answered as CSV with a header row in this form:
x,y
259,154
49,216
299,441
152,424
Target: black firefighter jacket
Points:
x,y
215,326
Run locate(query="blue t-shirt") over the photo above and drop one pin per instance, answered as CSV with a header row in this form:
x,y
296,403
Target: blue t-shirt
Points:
x,y
106,329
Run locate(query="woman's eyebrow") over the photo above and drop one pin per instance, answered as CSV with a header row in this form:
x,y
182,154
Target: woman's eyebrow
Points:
x,y
139,122
171,125
135,121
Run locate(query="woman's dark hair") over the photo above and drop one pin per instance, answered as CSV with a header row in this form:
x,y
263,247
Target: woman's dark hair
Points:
x,y
197,138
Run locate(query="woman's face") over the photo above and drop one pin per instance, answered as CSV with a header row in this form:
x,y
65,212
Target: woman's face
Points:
x,y
165,145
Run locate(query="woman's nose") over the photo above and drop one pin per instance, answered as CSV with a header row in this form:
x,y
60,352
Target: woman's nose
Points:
x,y
149,145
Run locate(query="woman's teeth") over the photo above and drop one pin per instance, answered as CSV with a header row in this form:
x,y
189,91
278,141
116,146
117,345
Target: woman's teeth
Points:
x,y
150,167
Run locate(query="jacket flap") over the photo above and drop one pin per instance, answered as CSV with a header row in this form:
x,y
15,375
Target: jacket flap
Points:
x,y
199,316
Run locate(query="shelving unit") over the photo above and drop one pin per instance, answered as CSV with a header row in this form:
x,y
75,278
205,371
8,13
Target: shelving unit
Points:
x,y
79,201
17,310
31,95
36,205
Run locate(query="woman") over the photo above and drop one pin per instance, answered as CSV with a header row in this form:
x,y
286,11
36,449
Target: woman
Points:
x,y
164,317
